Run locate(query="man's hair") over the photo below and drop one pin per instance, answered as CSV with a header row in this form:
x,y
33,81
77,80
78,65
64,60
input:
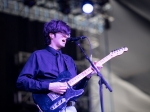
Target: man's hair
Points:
x,y
55,26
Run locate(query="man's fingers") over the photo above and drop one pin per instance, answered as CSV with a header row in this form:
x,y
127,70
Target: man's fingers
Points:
x,y
63,88
62,91
100,66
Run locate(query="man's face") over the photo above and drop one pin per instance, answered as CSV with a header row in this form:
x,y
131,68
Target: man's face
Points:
x,y
59,41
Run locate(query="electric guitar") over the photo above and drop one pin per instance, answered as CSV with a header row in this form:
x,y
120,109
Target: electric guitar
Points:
x,y
52,102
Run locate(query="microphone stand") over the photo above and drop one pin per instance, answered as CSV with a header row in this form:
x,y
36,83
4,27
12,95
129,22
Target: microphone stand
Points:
x,y
101,81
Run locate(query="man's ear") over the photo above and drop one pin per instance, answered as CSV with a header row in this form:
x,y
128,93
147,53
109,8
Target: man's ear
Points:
x,y
51,35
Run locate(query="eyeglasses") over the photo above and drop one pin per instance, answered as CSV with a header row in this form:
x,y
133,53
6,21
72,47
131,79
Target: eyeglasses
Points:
x,y
64,35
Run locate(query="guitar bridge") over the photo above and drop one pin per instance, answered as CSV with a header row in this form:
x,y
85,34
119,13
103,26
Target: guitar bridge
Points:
x,y
57,104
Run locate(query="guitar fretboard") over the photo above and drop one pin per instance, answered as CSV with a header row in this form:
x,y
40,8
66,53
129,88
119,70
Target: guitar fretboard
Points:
x,y
86,72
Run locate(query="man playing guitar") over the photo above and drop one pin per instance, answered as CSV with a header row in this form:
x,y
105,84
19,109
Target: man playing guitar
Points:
x,y
48,72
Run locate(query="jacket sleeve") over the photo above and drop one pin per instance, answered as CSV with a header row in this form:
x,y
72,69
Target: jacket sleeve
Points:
x,y
26,81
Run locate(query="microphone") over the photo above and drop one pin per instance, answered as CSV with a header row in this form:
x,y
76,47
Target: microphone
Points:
x,y
73,39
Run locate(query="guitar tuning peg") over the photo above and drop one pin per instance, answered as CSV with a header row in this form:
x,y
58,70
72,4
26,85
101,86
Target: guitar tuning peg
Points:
x,y
125,49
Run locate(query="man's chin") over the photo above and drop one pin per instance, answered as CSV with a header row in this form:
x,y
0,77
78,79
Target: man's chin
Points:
x,y
62,46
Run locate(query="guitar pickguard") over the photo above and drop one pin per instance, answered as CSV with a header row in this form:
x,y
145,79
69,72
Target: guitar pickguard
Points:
x,y
53,96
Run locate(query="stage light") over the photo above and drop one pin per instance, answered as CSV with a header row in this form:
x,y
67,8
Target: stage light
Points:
x,y
87,6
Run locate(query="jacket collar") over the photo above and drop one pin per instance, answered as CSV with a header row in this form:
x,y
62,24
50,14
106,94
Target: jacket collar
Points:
x,y
53,51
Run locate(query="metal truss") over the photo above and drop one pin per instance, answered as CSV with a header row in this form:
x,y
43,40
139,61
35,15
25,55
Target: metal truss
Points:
x,y
23,97
82,22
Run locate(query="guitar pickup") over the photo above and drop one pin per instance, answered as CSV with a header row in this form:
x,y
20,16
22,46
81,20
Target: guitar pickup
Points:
x,y
53,96
57,104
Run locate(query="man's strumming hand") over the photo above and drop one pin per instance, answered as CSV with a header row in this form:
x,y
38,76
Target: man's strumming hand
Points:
x,y
58,87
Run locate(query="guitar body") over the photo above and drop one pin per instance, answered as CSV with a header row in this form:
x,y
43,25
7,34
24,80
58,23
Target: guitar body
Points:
x,y
52,102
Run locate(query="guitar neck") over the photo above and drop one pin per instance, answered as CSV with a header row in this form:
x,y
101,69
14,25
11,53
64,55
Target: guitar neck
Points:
x,y
86,72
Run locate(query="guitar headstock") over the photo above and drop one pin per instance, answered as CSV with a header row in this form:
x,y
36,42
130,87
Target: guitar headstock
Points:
x,y
118,51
